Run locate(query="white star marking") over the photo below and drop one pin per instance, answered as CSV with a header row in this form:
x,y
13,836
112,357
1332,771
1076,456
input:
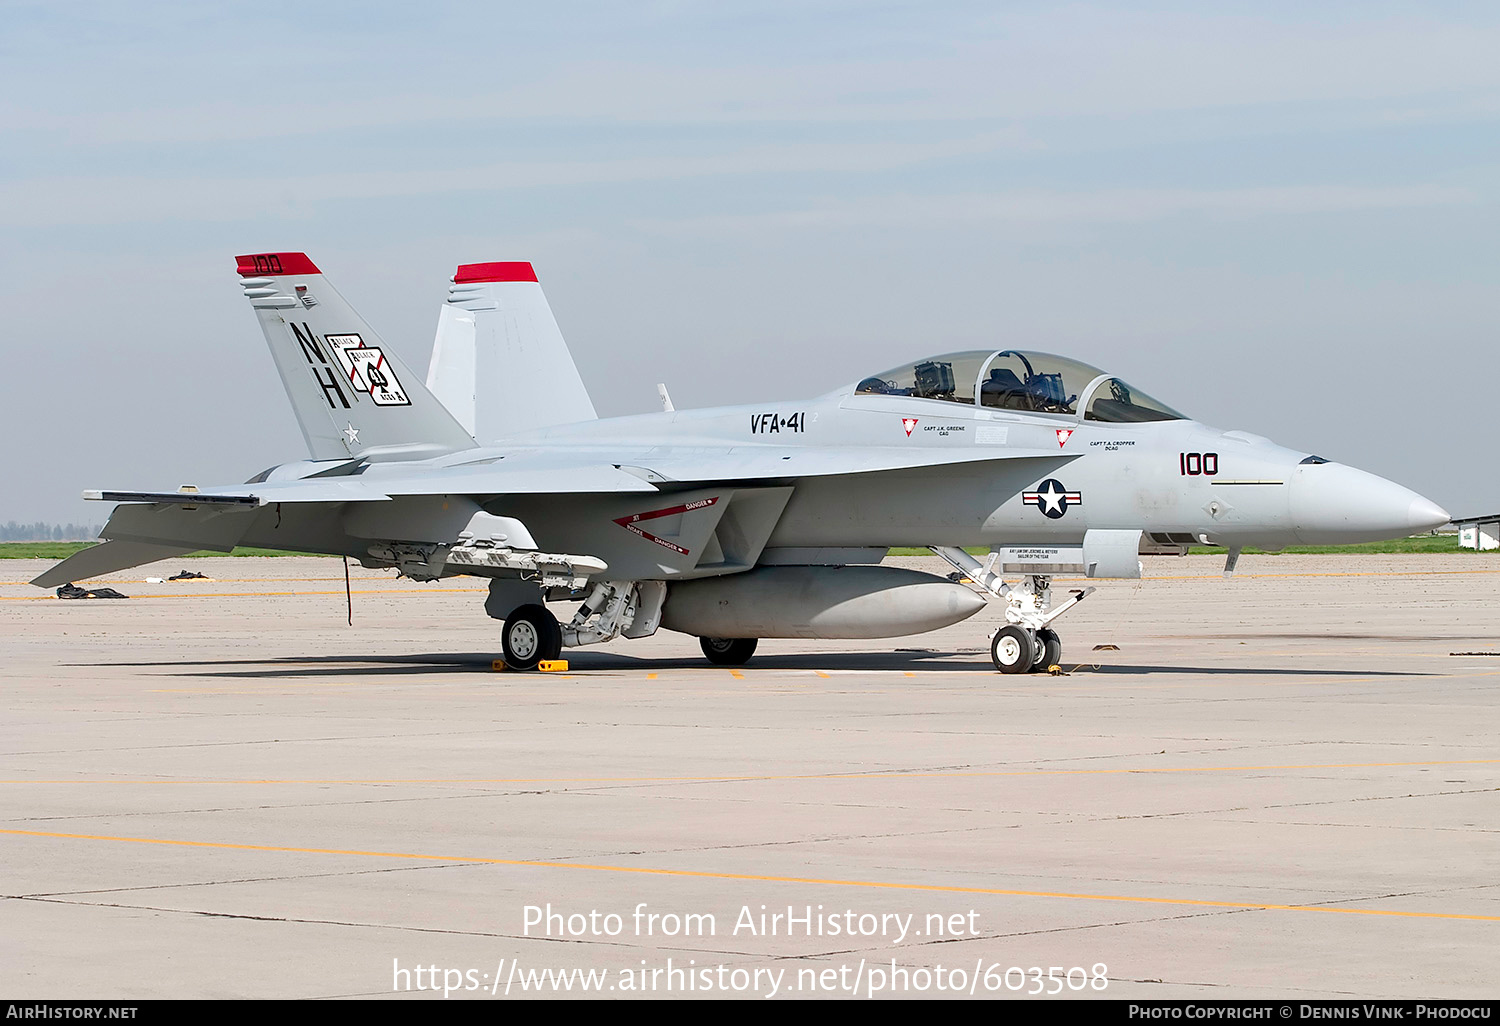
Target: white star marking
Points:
x,y
353,433
1052,498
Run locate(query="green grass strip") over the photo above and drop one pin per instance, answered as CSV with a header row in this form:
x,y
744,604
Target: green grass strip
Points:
x,y
62,550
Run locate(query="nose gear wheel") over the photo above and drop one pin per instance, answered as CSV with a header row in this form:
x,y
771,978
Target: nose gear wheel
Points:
x,y
1049,650
1014,649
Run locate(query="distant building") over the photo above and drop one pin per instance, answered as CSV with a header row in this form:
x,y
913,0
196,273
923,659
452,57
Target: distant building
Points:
x,y
1479,532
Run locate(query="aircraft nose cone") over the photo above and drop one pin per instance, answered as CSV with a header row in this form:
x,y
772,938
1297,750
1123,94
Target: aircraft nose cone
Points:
x,y
1426,515
1332,504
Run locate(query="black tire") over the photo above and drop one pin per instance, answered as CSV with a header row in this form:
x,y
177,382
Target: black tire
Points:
x,y
530,635
728,651
1013,649
1051,650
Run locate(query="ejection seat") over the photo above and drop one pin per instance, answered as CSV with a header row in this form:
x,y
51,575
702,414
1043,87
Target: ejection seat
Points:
x,y
1004,390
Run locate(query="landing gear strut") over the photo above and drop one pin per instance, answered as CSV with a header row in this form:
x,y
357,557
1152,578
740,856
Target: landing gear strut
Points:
x,y
1026,644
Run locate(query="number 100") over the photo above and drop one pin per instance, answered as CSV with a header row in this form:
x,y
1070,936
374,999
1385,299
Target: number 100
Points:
x,y
1191,464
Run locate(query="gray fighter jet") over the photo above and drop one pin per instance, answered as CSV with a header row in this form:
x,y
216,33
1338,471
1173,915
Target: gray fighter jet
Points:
x,y
734,523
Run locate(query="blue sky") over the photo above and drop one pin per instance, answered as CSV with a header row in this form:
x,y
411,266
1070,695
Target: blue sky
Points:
x,y
1279,218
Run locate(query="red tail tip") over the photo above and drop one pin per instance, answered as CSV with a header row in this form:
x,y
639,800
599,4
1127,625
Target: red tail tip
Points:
x,y
263,265
513,270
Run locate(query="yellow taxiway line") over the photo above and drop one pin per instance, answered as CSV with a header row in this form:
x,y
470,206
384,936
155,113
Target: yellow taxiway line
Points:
x,y
763,878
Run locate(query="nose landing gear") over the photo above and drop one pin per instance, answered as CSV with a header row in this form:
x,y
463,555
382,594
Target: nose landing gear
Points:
x,y
1015,649
1019,648
1026,644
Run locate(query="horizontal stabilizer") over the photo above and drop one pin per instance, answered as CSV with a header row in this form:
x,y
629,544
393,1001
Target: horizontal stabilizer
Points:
x,y
105,558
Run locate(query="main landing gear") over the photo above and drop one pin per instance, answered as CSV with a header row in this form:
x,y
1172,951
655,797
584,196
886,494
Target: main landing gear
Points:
x,y
1026,644
531,634
728,651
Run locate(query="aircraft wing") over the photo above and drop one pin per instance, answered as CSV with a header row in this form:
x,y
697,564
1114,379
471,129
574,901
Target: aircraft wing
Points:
x,y
157,525
248,496
544,473
488,479
153,525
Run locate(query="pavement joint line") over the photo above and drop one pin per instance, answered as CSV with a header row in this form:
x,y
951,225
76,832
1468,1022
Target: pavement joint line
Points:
x,y
592,941
606,942
870,775
759,878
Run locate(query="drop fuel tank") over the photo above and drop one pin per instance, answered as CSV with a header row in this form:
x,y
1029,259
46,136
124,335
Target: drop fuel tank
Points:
x,y
817,602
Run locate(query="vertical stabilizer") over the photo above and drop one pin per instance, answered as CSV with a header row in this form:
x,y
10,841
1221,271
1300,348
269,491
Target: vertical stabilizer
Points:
x,y
499,362
351,394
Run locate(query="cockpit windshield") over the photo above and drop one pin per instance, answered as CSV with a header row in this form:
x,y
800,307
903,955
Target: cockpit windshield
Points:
x,y
1117,403
1022,381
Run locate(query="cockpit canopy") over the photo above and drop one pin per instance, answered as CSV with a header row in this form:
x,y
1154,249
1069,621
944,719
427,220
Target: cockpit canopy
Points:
x,y
1022,381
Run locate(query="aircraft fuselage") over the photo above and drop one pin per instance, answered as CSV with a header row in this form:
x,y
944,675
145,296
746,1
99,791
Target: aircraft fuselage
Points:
x,y
1181,480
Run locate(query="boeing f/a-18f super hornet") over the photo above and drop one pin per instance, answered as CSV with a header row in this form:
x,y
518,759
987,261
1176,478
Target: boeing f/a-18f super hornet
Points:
x,y
734,523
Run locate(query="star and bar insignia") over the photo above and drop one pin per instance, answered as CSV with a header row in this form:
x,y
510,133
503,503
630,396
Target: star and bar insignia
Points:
x,y
1052,498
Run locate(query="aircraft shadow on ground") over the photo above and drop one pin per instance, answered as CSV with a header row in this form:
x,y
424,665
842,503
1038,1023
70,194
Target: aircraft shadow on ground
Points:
x,y
925,661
